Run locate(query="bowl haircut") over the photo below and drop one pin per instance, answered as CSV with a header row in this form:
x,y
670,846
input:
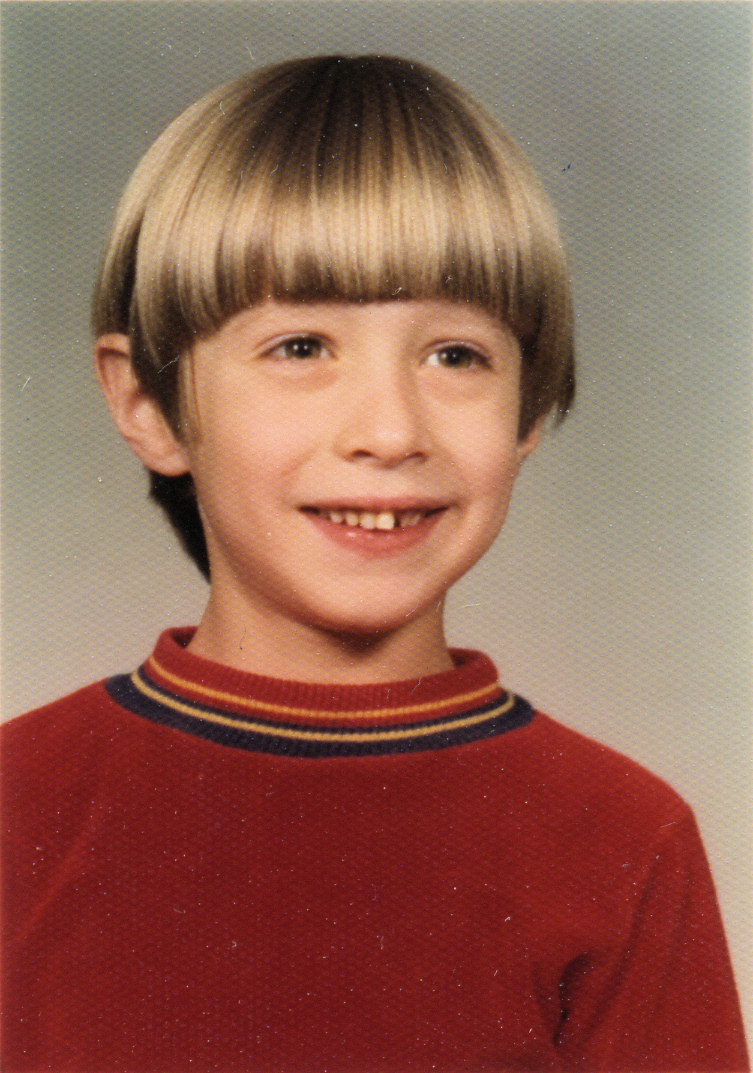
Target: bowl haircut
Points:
x,y
356,179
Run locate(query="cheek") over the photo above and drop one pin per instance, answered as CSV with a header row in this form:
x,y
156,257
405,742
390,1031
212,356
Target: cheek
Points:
x,y
491,463
249,458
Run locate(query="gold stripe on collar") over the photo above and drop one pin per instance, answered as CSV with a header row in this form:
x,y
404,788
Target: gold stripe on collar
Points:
x,y
302,734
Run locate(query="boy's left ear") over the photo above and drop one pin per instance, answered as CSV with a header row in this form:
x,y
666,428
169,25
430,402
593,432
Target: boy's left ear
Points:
x,y
137,414
528,442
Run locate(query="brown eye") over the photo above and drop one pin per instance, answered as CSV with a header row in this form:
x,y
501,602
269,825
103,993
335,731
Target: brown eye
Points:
x,y
300,348
456,356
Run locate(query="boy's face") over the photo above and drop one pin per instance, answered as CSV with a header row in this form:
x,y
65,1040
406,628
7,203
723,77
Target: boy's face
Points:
x,y
352,461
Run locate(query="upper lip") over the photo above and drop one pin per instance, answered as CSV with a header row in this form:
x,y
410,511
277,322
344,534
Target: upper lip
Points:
x,y
377,504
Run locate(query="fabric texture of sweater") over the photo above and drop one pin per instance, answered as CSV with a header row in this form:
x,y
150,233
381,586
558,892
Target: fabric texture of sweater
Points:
x,y
208,870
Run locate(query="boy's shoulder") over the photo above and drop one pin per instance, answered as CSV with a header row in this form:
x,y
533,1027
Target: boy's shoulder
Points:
x,y
46,727
580,784
51,764
59,741
567,753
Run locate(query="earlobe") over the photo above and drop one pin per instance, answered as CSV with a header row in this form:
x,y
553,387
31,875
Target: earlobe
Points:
x,y
527,443
137,414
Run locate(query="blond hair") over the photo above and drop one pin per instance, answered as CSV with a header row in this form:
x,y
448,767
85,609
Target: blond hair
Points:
x,y
360,179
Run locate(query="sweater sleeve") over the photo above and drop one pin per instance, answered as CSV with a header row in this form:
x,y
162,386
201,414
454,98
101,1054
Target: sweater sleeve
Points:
x,y
665,999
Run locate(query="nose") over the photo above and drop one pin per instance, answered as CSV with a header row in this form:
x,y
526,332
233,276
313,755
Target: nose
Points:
x,y
382,416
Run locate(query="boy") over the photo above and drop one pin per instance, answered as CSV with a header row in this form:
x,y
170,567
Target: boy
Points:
x,y
306,836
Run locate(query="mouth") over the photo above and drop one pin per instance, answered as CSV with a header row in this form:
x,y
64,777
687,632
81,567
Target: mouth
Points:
x,y
380,521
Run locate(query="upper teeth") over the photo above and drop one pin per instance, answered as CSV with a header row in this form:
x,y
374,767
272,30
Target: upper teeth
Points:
x,y
368,519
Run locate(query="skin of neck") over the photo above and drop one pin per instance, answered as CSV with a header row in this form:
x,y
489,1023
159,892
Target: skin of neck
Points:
x,y
261,641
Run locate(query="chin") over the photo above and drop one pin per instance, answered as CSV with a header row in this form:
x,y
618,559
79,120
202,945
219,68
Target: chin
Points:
x,y
365,630
375,625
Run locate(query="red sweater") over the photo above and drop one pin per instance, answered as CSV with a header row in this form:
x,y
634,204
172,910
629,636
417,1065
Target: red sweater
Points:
x,y
209,870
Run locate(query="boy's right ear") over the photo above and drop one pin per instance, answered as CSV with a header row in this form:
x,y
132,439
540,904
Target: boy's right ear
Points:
x,y
137,414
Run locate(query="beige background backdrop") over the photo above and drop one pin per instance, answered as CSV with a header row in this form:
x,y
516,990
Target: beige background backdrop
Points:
x,y
619,596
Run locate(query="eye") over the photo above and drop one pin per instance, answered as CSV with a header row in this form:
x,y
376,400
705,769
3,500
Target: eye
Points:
x,y
299,348
457,356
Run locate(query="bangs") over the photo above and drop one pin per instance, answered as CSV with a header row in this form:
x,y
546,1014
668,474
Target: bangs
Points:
x,y
358,183
387,229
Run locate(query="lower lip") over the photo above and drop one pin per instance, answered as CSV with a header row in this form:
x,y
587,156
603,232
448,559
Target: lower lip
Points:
x,y
375,541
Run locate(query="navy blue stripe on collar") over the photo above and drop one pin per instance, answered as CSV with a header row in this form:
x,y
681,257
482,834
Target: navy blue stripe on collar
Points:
x,y
139,695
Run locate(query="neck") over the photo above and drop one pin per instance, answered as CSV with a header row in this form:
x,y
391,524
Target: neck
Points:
x,y
265,644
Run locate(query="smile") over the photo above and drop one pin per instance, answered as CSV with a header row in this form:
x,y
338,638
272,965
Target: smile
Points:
x,y
383,520
376,528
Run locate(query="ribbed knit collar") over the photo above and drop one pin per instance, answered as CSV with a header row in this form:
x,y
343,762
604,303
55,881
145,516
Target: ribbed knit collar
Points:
x,y
253,712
